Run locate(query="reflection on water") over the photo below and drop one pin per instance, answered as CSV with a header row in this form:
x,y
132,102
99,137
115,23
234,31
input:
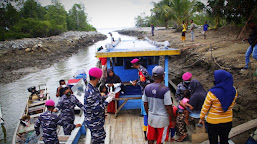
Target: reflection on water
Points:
x,y
13,96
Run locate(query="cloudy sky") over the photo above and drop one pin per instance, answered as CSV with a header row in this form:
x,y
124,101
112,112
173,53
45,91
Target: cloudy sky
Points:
x,y
110,13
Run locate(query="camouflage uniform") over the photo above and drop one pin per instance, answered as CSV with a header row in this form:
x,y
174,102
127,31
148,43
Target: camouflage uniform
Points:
x,y
95,114
48,122
66,104
181,87
142,83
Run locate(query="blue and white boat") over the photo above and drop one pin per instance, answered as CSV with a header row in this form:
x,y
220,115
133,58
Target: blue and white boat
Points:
x,y
120,53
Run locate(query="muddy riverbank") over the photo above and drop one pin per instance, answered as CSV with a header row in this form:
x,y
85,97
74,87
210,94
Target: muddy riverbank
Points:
x,y
221,50
21,57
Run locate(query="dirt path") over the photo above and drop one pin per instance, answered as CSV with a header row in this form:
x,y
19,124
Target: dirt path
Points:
x,y
198,58
21,57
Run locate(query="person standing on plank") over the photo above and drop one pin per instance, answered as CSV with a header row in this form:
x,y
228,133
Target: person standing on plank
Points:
x,y
143,80
94,104
158,106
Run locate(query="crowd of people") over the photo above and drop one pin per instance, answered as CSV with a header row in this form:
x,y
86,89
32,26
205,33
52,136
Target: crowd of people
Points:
x,y
211,109
161,116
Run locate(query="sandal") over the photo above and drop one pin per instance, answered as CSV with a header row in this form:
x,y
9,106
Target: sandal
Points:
x,y
181,139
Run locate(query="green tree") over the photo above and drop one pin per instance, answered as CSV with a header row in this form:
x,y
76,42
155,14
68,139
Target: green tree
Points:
x,y
9,16
77,19
32,9
216,10
56,14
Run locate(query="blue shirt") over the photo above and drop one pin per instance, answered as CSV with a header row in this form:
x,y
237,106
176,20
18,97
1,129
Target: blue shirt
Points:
x,y
205,27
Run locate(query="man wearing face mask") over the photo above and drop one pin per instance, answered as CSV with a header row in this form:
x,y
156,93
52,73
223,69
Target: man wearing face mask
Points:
x,y
95,105
60,91
182,86
66,105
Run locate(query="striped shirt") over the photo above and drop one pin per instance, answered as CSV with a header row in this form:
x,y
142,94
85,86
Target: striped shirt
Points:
x,y
215,114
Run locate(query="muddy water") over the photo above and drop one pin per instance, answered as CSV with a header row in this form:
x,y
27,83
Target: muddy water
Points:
x,y
13,96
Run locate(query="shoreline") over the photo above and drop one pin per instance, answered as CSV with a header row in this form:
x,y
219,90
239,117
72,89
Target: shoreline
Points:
x,y
21,57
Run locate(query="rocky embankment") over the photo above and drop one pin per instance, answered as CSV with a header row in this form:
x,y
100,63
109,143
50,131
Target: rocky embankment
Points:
x,y
21,57
221,50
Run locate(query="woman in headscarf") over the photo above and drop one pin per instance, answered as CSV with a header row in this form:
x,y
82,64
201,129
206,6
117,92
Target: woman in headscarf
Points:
x,y
196,100
113,84
198,94
218,104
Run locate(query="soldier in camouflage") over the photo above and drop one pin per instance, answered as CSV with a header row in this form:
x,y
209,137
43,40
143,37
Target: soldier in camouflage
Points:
x,y
143,76
66,104
95,105
48,121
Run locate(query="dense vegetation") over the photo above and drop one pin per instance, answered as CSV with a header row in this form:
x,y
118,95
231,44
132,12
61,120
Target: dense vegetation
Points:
x,y
217,13
30,19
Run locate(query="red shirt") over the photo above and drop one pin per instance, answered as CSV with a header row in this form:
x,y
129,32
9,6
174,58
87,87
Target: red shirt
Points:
x,y
103,61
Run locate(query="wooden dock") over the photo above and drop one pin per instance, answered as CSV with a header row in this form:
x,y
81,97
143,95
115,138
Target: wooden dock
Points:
x,y
126,128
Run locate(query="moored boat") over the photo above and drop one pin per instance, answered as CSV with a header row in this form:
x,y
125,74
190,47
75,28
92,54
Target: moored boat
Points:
x,y
24,132
119,55
78,89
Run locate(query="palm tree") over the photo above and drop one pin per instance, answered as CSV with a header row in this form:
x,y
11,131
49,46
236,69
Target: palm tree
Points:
x,y
176,10
162,11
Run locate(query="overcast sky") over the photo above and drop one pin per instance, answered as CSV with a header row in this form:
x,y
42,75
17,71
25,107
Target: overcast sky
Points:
x,y
110,13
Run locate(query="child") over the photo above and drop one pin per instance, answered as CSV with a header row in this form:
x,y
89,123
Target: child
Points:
x,y
103,90
183,104
171,126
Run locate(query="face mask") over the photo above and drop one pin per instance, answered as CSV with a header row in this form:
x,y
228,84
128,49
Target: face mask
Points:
x,y
63,86
68,94
187,82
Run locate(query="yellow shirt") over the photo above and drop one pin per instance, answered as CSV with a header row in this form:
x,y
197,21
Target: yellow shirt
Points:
x,y
184,28
216,115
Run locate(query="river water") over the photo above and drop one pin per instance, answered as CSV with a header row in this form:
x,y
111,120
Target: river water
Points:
x,y
13,96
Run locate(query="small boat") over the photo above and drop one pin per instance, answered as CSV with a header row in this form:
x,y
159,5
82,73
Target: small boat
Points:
x,y
35,106
3,130
78,88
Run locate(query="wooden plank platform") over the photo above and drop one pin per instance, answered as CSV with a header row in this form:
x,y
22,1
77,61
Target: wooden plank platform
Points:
x,y
37,103
117,109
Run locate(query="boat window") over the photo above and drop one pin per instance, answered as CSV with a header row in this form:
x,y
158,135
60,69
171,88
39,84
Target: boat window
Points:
x,y
118,61
128,64
153,60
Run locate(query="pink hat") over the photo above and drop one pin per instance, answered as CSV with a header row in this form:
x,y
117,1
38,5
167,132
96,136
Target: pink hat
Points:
x,y
186,76
50,103
134,61
95,72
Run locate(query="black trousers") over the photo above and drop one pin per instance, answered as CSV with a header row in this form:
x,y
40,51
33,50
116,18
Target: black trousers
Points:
x,y
219,130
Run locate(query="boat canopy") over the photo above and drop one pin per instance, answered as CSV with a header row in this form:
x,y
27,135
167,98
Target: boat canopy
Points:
x,y
136,48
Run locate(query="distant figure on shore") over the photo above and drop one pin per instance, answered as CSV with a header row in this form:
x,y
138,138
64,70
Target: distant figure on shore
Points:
x,y
152,26
192,29
252,39
183,37
112,38
205,28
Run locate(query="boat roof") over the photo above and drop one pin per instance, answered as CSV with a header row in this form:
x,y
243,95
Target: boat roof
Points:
x,y
136,48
